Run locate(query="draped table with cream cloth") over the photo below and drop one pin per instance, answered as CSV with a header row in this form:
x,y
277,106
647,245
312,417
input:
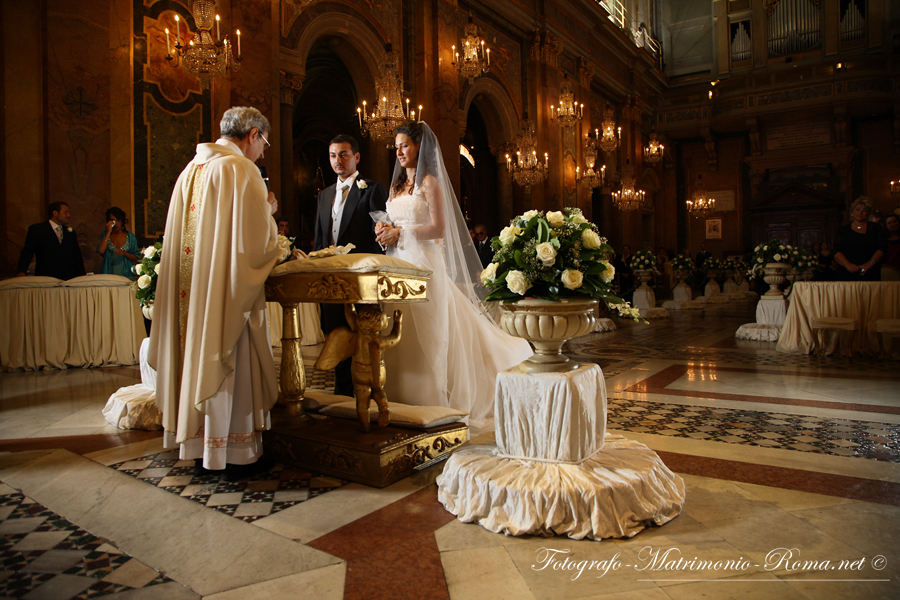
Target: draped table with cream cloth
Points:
x,y
864,301
310,325
88,321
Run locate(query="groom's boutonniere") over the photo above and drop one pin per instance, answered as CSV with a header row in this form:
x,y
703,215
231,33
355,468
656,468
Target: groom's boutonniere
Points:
x,y
70,230
361,184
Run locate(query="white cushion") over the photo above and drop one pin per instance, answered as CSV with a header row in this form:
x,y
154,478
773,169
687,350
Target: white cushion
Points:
x,y
98,281
352,263
402,415
315,400
18,283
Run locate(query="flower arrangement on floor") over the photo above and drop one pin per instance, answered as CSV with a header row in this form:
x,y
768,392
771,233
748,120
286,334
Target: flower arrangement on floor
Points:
x,y
772,251
643,260
803,259
712,264
728,265
682,263
147,271
552,256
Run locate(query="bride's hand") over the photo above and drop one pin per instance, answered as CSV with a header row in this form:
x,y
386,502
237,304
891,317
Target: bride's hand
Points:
x,y
388,236
379,226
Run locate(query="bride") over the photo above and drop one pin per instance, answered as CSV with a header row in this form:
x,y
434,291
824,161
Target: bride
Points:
x,y
451,350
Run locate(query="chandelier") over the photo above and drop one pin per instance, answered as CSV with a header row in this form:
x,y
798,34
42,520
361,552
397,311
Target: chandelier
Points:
x,y
204,56
389,112
476,58
627,198
653,152
611,135
527,169
569,111
590,178
700,205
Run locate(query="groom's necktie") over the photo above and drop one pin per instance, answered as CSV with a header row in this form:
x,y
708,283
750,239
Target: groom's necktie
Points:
x,y
59,232
340,197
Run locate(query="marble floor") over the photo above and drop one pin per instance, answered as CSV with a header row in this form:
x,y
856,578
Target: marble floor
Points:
x,y
791,464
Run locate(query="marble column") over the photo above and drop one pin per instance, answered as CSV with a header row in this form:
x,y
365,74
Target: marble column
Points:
x,y
290,209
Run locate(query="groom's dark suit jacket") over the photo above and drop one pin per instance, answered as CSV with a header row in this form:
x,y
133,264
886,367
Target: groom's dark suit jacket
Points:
x,y
357,227
54,258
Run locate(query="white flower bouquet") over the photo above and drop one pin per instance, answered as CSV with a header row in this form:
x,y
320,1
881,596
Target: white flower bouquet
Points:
x,y
682,263
147,271
551,256
285,246
772,251
643,260
712,264
803,259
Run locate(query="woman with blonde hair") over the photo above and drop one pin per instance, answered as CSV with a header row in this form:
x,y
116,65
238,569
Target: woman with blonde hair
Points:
x,y
860,245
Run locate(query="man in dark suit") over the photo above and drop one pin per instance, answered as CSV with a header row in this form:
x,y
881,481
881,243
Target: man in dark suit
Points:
x,y
483,245
702,256
624,273
54,244
343,218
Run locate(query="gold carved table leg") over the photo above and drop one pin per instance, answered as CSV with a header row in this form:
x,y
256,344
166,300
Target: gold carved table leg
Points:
x,y
293,374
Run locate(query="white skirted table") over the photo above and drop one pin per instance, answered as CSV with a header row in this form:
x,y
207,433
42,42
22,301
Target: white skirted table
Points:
x,y
554,469
310,324
682,299
864,301
644,299
88,321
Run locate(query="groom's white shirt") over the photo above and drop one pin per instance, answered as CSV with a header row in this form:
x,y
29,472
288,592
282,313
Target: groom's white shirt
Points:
x,y
337,207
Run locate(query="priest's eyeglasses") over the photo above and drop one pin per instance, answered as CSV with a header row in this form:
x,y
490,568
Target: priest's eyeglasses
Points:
x,y
268,145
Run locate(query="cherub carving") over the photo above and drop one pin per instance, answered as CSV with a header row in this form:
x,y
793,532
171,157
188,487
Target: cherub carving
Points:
x,y
365,344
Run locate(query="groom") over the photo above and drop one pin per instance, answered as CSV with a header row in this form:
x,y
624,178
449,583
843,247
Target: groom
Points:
x,y
343,218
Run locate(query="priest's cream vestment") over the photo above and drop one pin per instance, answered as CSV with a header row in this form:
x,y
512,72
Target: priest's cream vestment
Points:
x,y
209,341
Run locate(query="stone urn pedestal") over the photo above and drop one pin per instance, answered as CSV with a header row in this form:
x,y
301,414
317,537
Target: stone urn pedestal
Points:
x,y
682,296
771,309
645,298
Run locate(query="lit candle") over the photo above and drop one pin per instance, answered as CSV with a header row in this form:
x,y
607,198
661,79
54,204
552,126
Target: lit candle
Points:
x,y
407,108
218,33
620,132
168,48
551,112
482,48
359,114
177,30
546,159
412,117
239,42
420,112
454,54
581,113
489,56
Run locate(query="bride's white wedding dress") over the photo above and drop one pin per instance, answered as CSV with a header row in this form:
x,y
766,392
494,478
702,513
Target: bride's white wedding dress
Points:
x,y
450,352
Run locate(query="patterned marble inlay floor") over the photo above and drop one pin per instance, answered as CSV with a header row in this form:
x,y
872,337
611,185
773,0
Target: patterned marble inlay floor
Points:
x,y
248,500
42,555
839,437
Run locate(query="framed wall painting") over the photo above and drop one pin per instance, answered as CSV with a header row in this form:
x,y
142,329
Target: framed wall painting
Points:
x,y
714,228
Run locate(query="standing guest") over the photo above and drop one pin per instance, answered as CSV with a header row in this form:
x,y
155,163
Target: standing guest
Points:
x,y
343,218
701,256
284,227
624,273
825,260
890,270
209,343
483,245
859,245
54,245
118,246
472,235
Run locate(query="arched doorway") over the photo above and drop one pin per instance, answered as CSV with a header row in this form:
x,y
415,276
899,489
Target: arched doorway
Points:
x,y
478,175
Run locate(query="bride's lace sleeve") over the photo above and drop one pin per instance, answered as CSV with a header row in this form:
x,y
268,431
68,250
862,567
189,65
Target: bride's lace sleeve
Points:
x,y
435,229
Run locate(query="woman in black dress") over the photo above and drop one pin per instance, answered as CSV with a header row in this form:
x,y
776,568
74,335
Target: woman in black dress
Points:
x,y
825,260
859,245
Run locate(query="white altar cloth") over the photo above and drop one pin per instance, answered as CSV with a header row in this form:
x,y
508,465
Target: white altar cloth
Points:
x,y
134,406
771,312
682,293
310,324
644,298
758,332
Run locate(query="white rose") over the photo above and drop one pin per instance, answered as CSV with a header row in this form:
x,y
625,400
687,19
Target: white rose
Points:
x,y
781,247
284,248
578,218
144,282
149,251
361,184
508,235
490,273
609,273
756,249
517,282
546,253
556,219
759,260
572,278
528,215
590,239
138,268
156,268
777,257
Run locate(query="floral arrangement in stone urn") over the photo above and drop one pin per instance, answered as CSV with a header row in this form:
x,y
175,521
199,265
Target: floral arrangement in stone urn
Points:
x,y
682,266
804,261
740,270
147,271
549,271
643,263
712,266
771,260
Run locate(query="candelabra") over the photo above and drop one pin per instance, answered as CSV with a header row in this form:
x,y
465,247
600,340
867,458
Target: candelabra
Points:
x,y
628,198
389,113
527,169
895,187
653,152
476,58
569,111
590,178
204,56
700,205
611,134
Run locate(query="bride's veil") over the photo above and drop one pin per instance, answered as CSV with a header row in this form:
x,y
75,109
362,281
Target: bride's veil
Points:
x,y
460,257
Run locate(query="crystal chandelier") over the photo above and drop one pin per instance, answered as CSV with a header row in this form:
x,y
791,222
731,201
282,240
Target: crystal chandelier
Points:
x,y
590,178
204,56
475,58
653,152
569,111
388,113
627,198
611,135
700,205
527,169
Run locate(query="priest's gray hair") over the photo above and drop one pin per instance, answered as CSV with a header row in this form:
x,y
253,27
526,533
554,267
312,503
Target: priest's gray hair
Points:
x,y
238,121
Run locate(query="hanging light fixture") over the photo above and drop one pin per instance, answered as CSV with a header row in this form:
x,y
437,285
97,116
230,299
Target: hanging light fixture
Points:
x,y
203,56
526,169
653,152
700,205
895,187
611,135
476,58
628,198
569,111
389,112
590,178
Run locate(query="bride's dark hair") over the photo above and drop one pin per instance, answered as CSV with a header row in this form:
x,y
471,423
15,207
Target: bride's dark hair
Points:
x,y
414,131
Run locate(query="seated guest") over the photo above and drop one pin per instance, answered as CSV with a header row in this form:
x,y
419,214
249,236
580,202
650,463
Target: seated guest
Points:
x,y
284,227
859,245
890,270
53,245
118,246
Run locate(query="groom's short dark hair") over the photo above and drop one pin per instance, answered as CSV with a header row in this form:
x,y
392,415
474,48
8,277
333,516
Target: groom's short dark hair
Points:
x,y
346,139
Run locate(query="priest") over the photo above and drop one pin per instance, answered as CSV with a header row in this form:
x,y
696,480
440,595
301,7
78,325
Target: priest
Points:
x,y
216,376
